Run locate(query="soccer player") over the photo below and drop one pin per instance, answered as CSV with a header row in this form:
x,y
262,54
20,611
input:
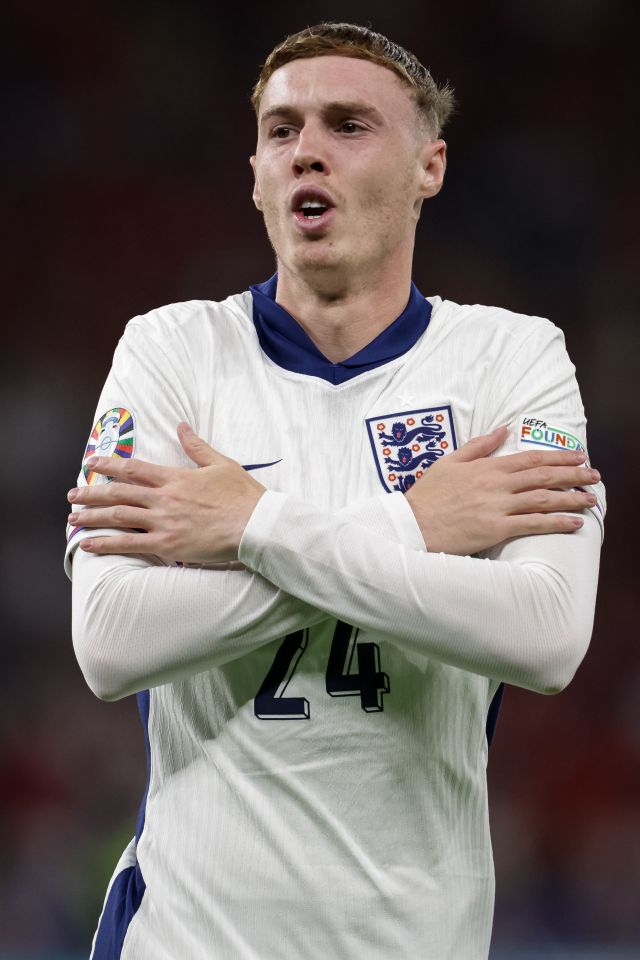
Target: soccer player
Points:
x,y
318,621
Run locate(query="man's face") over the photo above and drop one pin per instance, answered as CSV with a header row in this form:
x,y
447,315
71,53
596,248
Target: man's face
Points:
x,y
341,166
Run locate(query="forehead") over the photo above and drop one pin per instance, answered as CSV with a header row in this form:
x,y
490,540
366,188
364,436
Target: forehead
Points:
x,y
308,83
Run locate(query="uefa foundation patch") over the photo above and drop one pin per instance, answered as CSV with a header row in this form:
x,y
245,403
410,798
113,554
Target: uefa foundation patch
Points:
x,y
406,444
533,431
536,432
112,436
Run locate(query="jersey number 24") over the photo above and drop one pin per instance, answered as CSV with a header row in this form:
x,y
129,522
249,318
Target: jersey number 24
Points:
x,y
369,683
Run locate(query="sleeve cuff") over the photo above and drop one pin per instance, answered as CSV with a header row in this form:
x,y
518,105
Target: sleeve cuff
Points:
x,y
405,526
262,522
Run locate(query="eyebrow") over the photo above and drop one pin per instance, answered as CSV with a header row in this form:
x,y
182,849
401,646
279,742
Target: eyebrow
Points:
x,y
332,109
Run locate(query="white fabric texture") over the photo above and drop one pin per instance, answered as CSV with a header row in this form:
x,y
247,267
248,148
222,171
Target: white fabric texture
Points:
x,y
357,826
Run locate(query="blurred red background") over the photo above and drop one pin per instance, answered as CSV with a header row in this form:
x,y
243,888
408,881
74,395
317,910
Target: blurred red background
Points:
x,y
127,130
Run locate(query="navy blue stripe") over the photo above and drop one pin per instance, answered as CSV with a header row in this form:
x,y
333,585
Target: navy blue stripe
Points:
x,y
128,887
144,700
122,903
257,466
286,343
492,714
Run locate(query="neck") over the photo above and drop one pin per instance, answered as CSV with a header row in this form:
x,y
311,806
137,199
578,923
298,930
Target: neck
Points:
x,y
343,314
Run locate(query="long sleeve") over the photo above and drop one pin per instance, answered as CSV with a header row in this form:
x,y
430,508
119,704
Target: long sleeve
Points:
x,y
138,624
522,614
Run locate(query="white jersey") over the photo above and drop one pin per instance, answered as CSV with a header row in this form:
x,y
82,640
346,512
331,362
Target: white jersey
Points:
x,y
317,748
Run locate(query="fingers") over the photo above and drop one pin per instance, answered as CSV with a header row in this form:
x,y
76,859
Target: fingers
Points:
x,y
120,516
196,448
541,523
541,458
124,543
131,471
550,501
480,446
108,494
553,476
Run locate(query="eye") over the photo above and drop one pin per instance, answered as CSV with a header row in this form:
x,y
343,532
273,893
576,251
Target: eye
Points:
x,y
350,126
281,133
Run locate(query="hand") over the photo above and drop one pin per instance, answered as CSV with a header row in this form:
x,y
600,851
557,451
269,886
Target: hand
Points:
x,y
192,516
467,502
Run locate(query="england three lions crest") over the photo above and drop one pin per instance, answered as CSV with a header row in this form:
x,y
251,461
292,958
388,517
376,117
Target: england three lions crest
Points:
x,y
406,444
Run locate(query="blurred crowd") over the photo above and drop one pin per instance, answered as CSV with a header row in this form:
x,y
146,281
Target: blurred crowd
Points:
x,y
127,128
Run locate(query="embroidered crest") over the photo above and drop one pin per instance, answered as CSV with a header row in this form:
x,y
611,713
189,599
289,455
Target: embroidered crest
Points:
x,y
539,433
406,444
112,436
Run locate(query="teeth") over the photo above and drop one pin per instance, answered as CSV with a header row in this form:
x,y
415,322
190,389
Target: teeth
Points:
x,y
317,206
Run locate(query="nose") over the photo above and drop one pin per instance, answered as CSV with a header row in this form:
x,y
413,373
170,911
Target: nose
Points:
x,y
310,153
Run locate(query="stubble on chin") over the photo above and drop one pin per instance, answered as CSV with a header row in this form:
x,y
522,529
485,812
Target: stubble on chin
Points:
x,y
301,253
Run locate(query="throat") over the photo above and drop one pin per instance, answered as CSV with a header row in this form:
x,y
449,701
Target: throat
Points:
x,y
340,329
341,309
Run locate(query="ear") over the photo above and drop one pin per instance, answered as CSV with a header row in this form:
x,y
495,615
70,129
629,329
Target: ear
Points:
x,y
257,199
434,163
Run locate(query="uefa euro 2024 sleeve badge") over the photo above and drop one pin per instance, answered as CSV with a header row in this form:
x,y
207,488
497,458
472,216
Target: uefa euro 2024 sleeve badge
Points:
x,y
406,444
112,436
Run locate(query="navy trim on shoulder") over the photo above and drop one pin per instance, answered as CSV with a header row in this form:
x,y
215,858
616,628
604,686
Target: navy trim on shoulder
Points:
x,y
286,343
129,886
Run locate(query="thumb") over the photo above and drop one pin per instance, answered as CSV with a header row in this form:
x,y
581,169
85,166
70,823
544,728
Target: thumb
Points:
x,y
481,446
196,448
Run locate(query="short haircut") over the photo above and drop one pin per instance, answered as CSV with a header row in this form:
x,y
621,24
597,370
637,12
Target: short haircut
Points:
x,y
434,103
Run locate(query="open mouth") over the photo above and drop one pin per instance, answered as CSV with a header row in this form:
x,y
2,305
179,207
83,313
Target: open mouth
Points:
x,y
312,209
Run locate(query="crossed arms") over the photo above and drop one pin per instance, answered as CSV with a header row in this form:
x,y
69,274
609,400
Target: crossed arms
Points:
x,y
522,614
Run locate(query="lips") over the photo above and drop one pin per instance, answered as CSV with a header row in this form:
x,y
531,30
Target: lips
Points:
x,y
312,207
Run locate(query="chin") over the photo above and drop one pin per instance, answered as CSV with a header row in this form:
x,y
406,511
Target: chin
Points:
x,y
316,255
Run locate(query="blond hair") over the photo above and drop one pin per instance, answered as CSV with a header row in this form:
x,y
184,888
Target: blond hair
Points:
x,y
434,103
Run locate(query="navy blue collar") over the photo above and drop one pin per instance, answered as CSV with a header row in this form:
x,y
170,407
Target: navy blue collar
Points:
x,y
286,343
